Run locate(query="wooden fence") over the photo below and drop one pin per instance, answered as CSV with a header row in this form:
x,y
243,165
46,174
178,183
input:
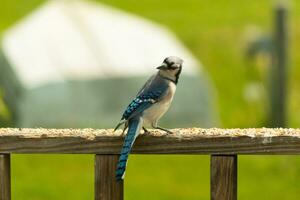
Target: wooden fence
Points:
x,y
222,144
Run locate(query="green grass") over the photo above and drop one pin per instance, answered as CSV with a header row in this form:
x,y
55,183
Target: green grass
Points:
x,y
48,177
214,32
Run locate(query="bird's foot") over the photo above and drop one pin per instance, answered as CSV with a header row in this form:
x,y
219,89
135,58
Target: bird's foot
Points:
x,y
124,130
123,133
146,132
164,129
168,132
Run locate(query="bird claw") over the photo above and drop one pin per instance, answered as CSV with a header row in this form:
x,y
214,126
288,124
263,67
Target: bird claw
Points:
x,y
165,130
123,133
168,132
146,132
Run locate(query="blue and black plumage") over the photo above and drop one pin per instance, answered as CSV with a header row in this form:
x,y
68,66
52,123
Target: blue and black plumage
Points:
x,y
142,102
151,102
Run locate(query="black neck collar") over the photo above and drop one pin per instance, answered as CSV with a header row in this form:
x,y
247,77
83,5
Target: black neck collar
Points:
x,y
170,79
176,77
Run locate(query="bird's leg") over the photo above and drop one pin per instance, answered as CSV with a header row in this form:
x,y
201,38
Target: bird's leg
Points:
x,y
164,129
160,128
125,127
145,130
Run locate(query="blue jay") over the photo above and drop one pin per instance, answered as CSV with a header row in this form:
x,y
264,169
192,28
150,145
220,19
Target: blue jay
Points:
x,y
151,102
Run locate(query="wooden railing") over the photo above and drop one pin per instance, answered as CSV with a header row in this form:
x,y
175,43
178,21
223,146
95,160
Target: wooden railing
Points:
x,y
222,144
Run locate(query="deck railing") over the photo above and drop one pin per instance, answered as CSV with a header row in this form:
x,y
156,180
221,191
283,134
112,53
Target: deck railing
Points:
x,y
222,144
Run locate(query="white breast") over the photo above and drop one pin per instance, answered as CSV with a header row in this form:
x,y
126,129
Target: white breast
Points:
x,y
155,112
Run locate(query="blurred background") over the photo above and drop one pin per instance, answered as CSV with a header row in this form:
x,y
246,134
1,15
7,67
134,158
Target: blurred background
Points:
x,y
77,64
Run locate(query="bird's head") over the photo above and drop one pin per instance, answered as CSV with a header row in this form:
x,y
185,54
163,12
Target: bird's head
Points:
x,y
171,68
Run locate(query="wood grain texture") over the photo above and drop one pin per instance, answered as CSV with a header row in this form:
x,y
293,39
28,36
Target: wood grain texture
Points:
x,y
106,186
223,177
182,141
5,177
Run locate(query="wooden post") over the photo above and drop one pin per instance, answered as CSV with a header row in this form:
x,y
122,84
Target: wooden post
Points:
x,y
279,68
5,177
106,186
223,177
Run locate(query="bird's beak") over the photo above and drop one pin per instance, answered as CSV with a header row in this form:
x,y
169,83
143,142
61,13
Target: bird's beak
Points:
x,y
162,66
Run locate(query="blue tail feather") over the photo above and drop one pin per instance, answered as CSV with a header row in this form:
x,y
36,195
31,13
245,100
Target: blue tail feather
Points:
x,y
133,130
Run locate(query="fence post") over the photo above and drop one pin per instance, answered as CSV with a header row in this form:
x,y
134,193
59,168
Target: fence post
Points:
x,y
5,177
223,177
279,68
106,186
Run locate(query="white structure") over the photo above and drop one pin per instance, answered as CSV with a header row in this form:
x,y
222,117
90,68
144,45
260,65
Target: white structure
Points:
x,y
70,56
82,40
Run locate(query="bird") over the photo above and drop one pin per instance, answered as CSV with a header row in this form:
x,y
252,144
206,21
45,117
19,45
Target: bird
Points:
x,y
149,105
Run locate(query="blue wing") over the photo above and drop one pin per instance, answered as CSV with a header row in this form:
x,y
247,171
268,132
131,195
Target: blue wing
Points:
x,y
152,92
141,103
